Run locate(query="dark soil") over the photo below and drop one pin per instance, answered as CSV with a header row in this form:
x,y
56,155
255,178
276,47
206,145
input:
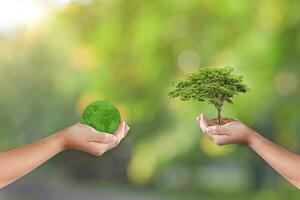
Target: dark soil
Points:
x,y
215,122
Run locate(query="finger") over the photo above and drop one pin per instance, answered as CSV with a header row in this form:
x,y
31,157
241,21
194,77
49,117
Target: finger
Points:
x,y
198,118
127,130
233,122
97,149
101,137
220,139
215,130
202,122
119,133
209,136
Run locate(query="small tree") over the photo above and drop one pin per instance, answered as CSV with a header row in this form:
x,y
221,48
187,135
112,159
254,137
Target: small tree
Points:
x,y
214,85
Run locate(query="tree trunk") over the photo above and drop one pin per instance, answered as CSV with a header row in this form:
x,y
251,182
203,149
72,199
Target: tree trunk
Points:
x,y
219,116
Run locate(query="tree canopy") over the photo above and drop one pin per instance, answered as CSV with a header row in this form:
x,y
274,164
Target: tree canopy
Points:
x,y
214,85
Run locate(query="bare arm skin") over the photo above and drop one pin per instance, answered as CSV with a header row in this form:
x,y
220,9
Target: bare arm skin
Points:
x,y
17,162
283,161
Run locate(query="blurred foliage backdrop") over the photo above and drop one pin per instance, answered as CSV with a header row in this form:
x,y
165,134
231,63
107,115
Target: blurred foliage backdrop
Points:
x,y
71,53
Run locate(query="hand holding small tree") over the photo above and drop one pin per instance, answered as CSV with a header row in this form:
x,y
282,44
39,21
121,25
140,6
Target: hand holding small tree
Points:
x,y
213,85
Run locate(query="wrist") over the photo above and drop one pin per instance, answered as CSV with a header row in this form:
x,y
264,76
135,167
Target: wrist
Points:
x,y
59,140
253,138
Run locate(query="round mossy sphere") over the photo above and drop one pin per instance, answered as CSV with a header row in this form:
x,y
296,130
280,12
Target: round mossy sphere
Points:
x,y
102,115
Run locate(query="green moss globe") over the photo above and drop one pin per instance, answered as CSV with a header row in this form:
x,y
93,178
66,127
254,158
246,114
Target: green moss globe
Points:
x,y
102,115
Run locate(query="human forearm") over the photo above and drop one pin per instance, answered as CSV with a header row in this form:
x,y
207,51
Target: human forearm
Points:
x,y
283,161
280,159
17,162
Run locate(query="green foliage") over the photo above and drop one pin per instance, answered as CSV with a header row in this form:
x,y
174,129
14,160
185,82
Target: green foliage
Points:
x,y
214,85
101,115
110,47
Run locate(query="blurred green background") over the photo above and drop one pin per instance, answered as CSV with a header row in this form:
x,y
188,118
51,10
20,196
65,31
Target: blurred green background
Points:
x,y
58,56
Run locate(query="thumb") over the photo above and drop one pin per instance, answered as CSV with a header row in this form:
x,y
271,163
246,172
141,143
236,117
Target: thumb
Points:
x,y
202,122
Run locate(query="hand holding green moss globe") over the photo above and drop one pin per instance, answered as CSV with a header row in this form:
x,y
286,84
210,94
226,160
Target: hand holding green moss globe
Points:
x,y
102,115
